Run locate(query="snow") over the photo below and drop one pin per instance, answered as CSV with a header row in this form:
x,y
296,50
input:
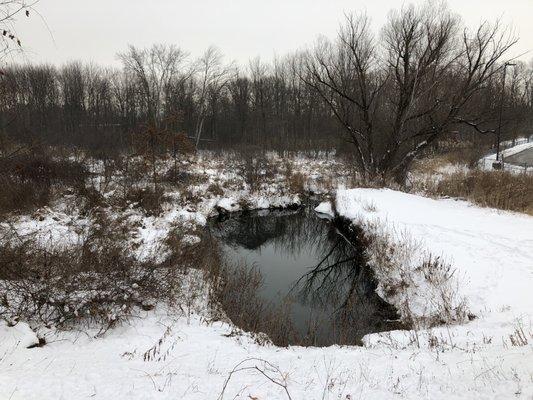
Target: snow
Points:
x,y
516,141
523,144
192,362
325,208
51,226
228,205
19,336
183,354
491,250
487,161
515,149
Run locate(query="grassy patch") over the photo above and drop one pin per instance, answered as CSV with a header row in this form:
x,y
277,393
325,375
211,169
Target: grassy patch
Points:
x,y
497,189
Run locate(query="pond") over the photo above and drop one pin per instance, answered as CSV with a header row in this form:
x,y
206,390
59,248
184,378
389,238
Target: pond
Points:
x,y
309,268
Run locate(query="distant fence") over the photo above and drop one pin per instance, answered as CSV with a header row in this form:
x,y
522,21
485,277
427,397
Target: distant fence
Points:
x,y
516,142
511,143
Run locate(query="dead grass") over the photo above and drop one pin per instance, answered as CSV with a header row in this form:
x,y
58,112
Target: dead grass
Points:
x,y
28,180
432,165
407,277
469,155
519,337
96,281
496,189
148,199
235,290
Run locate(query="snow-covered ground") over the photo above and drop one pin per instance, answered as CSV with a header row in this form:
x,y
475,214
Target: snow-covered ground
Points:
x,y
217,183
487,161
168,354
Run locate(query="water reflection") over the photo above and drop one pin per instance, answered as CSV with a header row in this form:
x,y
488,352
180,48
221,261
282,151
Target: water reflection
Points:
x,y
305,261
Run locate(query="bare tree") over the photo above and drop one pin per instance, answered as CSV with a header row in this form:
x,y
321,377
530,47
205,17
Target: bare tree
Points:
x,y
396,99
155,69
239,90
258,71
399,93
347,76
212,77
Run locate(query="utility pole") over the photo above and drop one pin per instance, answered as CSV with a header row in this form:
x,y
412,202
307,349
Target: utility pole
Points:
x,y
507,64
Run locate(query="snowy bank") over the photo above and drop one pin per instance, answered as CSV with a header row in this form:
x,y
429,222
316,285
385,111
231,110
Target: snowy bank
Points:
x,y
186,355
491,250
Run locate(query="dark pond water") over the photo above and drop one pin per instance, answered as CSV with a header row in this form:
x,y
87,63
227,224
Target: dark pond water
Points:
x,y
307,263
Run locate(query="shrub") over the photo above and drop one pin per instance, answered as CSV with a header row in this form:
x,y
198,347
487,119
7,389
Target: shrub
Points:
x,y
177,177
497,189
235,290
295,180
27,180
147,198
215,189
95,281
19,196
256,168
93,198
190,247
40,168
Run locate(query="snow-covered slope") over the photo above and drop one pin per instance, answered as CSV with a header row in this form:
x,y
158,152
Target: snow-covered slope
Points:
x,y
163,355
492,250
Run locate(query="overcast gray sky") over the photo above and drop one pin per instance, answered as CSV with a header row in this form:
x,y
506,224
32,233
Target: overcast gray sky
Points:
x,y
242,29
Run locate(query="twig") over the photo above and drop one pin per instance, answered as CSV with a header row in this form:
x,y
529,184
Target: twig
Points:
x,y
267,365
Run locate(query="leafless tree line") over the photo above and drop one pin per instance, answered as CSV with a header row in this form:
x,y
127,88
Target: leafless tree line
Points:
x,y
208,100
393,95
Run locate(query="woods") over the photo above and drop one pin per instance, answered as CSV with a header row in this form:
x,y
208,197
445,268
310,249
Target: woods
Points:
x,y
209,101
422,79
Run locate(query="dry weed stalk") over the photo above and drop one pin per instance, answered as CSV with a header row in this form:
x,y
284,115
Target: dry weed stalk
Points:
x,y
263,367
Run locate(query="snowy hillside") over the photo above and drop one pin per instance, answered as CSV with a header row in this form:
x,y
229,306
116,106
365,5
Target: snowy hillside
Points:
x,y
168,355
